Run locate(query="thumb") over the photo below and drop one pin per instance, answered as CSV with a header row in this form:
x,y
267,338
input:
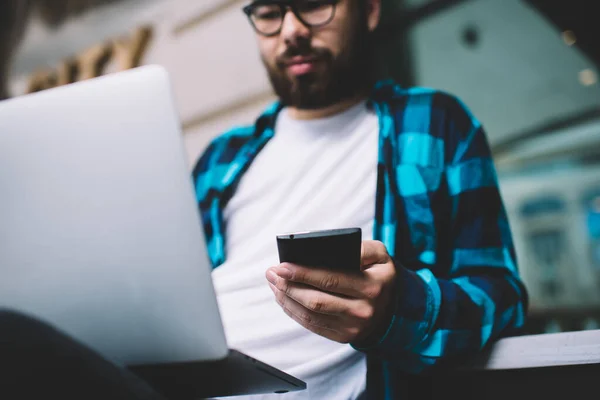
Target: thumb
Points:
x,y
373,252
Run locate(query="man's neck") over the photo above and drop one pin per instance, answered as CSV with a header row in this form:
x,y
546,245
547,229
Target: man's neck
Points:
x,y
334,109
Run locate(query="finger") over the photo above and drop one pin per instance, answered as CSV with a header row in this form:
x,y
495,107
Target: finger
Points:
x,y
373,252
349,285
315,300
320,324
326,333
307,316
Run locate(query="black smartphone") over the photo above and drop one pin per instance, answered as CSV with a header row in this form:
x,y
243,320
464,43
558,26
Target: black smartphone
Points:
x,y
335,249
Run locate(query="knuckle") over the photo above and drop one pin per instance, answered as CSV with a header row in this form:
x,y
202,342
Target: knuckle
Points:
x,y
288,312
306,318
330,282
283,286
296,273
380,247
363,313
373,292
280,298
390,276
368,313
352,333
316,304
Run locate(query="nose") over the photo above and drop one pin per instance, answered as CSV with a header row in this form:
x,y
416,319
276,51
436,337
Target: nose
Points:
x,y
292,30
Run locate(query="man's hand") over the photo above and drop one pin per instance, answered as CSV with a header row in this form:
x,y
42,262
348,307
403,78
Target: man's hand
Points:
x,y
343,307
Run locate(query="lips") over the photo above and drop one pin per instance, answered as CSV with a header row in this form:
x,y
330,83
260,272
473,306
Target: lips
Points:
x,y
301,65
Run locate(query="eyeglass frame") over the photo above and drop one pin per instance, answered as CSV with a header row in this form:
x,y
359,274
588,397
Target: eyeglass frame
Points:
x,y
285,6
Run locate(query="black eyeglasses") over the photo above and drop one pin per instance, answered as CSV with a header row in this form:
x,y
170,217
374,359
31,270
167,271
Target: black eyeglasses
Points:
x,y
267,16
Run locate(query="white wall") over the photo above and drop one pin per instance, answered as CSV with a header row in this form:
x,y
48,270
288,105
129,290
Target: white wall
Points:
x,y
217,76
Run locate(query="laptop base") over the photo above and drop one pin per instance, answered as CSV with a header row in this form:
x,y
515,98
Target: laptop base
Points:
x,y
237,374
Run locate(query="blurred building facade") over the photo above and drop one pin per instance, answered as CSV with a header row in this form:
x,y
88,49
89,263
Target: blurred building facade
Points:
x,y
535,92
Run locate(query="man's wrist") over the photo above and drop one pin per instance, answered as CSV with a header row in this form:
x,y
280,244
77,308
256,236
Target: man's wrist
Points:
x,y
384,320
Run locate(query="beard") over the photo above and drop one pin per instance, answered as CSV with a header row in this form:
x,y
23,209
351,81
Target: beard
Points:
x,y
334,78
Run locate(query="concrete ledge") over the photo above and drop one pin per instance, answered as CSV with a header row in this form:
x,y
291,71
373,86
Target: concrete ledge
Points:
x,y
538,351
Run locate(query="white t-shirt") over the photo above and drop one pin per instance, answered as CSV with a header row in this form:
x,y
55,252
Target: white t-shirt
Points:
x,y
314,174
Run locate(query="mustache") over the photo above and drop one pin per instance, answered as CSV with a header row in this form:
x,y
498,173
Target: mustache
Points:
x,y
317,53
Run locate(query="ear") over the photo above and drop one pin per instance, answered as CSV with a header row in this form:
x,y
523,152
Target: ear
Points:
x,y
373,14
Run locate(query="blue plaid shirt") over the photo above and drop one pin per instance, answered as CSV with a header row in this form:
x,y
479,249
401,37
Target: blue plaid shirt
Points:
x,y
439,213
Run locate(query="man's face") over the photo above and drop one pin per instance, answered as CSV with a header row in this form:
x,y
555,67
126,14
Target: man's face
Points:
x,y
315,67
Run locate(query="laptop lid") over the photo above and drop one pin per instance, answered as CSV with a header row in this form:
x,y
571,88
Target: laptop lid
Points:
x,y
100,233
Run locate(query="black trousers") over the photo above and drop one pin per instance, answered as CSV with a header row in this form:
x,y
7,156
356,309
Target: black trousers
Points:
x,y
37,361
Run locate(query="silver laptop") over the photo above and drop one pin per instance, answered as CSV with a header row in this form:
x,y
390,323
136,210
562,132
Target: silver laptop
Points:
x,y
101,235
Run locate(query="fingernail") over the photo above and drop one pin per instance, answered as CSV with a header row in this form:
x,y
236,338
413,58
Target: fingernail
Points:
x,y
271,277
284,272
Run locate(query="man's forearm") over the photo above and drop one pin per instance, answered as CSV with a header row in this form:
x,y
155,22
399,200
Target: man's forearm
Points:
x,y
437,318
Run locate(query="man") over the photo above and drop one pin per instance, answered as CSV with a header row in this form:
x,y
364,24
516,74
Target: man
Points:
x,y
411,167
